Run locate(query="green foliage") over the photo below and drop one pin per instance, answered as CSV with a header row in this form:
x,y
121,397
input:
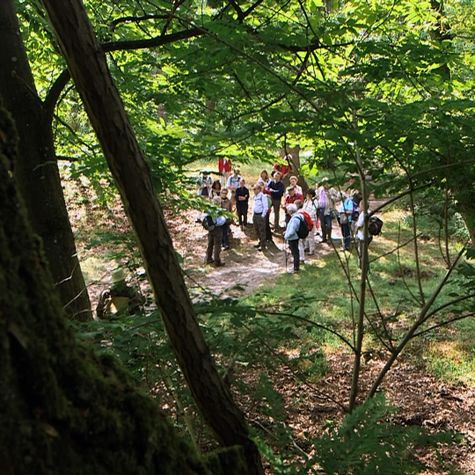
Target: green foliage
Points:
x,y
370,442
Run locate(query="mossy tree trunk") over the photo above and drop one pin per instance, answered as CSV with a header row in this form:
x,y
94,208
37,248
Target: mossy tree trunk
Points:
x,y
62,408
88,67
36,168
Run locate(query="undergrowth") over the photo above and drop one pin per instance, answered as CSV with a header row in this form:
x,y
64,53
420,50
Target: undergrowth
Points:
x,y
296,323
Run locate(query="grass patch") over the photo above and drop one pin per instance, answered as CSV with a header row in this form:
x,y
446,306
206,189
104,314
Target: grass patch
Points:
x,y
322,294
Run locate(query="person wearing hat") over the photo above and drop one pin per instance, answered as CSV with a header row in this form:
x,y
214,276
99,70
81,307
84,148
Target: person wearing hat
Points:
x,y
291,235
119,299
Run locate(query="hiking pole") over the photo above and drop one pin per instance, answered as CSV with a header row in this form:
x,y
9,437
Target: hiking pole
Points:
x,y
285,254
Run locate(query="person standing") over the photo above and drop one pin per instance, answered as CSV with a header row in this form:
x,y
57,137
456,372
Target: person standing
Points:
x,y
216,189
361,238
325,209
311,208
224,167
345,211
242,203
260,209
215,237
228,206
276,189
291,197
291,235
263,179
205,184
293,180
310,226
233,183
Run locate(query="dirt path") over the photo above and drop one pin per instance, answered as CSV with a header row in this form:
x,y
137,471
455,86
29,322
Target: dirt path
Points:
x,y
245,267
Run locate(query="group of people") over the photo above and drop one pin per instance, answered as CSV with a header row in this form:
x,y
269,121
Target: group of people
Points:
x,y
318,208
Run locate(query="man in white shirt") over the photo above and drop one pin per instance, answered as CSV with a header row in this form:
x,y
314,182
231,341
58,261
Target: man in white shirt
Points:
x,y
260,209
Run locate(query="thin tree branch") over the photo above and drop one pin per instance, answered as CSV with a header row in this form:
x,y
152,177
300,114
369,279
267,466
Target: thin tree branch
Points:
x,y
444,323
137,19
126,45
448,304
395,249
252,8
311,322
416,325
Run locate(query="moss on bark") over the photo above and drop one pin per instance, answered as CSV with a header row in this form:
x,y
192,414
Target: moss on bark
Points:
x,y
63,408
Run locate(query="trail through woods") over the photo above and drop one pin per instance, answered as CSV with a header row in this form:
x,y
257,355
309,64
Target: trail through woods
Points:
x,y
423,399
246,268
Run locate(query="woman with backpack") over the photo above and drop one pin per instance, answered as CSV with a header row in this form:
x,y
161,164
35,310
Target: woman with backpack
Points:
x,y
291,234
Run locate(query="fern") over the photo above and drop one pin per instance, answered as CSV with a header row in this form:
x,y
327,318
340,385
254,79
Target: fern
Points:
x,y
368,443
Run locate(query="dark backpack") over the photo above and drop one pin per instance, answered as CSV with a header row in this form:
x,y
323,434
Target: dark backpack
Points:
x,y
302,231
374,225
208,223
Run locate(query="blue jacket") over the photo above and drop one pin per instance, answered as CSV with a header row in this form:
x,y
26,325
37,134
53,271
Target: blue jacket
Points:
x,y
292,227
348,208
277,189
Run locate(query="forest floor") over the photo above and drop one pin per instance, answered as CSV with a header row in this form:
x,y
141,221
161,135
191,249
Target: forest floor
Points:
x,y
424,400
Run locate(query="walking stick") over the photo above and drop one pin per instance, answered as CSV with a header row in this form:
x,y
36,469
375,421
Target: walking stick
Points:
x,y
285,254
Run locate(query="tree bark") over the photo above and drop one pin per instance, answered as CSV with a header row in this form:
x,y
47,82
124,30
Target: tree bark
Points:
x,y
36,170
294,153
62,408
87,64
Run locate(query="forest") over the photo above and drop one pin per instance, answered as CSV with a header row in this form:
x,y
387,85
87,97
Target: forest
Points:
x,y
139,338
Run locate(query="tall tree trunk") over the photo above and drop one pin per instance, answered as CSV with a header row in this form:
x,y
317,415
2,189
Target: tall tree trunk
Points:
x,y
36,170
63,409
88,67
